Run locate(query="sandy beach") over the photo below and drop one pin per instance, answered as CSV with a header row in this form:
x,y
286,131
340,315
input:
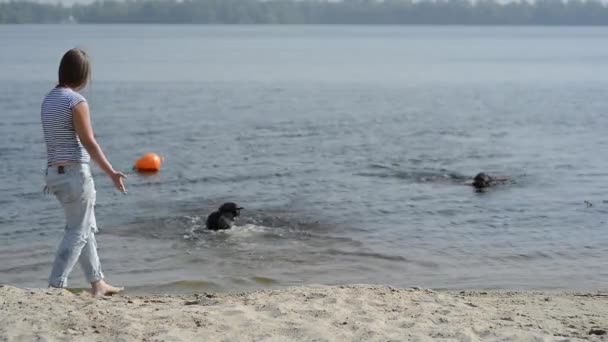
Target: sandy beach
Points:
x,y
338,313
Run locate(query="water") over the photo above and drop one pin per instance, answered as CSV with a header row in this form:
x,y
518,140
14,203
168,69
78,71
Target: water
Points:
x,y
347,146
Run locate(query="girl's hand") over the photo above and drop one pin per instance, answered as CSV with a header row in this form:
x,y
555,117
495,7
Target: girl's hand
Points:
x,y
118,180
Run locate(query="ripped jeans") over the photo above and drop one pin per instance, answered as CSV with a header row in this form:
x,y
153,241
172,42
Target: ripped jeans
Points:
x,y
74,188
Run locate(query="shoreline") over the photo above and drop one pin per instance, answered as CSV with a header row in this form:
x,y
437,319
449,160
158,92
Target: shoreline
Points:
x,y
321,313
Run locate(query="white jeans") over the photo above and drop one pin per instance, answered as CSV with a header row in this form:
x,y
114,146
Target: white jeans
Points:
x,y
74,188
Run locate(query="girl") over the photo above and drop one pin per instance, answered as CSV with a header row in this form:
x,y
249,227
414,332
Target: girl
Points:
x,y
71,144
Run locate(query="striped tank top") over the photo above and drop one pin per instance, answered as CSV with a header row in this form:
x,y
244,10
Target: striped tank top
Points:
x,y
62,142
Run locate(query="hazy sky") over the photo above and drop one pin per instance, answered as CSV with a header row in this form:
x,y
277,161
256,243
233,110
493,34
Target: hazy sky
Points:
x,y
65,2
69,2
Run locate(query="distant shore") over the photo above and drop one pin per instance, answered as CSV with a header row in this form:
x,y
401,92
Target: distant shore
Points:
x,y
337,313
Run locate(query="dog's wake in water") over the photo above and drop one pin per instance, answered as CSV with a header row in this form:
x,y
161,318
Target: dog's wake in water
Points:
x,y
480,181
246,230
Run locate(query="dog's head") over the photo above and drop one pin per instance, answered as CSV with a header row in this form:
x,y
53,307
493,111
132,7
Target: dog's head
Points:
x,y
482,180
230,209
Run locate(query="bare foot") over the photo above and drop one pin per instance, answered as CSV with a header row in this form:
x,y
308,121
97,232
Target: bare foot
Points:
x,y
101,288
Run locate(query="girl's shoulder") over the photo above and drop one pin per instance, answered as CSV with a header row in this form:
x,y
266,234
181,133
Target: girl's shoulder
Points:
x,y
64,95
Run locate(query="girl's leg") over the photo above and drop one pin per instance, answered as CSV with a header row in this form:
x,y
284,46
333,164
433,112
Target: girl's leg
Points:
x,y
77,205
89,260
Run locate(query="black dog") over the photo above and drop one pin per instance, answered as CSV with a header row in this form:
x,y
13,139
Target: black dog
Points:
x,y
223,217
482,181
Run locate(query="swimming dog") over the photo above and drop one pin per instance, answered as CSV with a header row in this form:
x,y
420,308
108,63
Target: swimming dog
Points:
x,y
482,181
224,217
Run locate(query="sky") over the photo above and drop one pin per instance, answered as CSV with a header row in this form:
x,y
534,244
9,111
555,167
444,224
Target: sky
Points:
x,y
70,2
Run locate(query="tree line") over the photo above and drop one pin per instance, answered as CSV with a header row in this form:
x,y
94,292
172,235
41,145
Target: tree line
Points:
x,y
367,12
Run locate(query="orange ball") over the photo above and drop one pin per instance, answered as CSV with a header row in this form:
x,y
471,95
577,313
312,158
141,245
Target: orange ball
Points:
x,y
151,162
